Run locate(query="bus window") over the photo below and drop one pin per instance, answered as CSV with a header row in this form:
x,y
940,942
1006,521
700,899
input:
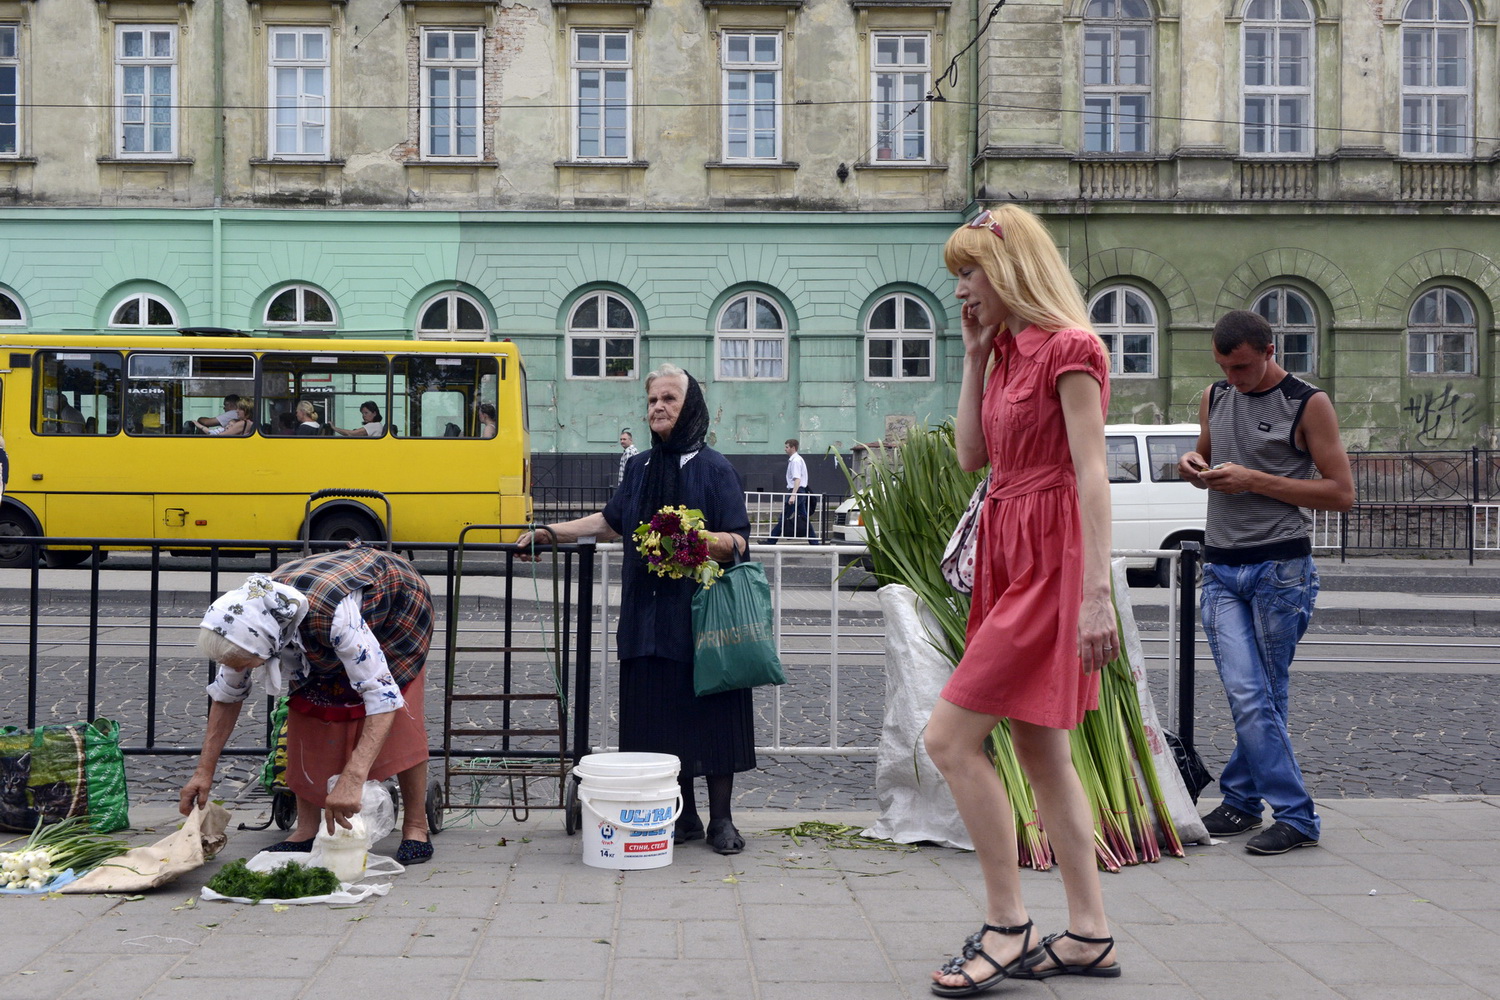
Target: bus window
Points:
x,y
169,393
336,385
440,397
78,392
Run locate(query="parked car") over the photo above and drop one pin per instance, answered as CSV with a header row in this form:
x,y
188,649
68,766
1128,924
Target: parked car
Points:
x,y
1153,507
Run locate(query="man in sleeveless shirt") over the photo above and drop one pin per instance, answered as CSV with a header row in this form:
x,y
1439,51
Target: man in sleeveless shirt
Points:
x,y
1268,453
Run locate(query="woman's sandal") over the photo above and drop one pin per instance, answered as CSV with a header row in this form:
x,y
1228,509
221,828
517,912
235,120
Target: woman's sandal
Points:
x,y
973,948
1059,969
724,838
413,852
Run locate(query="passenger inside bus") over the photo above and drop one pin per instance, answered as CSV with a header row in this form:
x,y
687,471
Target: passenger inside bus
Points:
x,y
308,423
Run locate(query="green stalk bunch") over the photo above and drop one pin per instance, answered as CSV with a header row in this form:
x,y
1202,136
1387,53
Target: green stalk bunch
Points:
x,y
910,502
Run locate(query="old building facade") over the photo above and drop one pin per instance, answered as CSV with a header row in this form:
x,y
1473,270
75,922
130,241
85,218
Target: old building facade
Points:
x,y
758,191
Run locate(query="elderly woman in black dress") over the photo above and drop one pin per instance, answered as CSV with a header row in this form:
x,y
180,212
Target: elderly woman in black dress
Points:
x,y
712,736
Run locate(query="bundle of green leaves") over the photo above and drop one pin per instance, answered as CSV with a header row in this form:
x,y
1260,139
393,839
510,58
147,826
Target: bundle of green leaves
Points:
x,y
292,880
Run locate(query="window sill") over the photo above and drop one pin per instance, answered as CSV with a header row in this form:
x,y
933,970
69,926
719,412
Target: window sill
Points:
x,y
455,164
24,161
281,161
750,165
150,161
603,164
927,4
794,4
899,165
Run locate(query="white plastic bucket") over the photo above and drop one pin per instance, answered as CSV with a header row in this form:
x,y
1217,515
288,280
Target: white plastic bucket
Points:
x,y
630,803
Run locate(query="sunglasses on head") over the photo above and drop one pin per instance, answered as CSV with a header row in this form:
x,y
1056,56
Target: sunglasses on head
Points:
x,y
985,221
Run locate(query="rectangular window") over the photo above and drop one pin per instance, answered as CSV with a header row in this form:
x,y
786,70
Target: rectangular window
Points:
x,y
166,394
901,75
752,357
452,93
1122,457
601,357
602,84
1117,88
1442,353
1277,78
434,397
751,64
10,91
1435,91
299,93
77,392
336,385
899,358
1163,452
146,82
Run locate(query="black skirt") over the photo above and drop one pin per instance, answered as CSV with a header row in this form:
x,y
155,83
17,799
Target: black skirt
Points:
x,y
659,713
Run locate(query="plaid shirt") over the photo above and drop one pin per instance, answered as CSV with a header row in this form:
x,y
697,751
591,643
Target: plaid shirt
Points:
x,y
396,605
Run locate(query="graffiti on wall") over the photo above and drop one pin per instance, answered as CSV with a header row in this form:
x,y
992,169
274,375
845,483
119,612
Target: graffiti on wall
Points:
x,y
1439,415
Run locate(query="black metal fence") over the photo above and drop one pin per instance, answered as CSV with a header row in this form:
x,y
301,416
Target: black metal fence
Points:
x,y
1419,501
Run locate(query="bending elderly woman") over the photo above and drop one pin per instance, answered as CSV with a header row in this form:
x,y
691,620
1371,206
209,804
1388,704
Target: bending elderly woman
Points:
x,y
347,634
714,735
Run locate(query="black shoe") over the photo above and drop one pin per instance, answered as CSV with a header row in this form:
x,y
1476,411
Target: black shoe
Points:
x,y
291,847
688,827
1227,821
1279,839
414,852
724,838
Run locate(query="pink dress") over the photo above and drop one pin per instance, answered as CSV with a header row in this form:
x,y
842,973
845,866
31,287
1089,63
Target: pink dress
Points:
x,y
1021,659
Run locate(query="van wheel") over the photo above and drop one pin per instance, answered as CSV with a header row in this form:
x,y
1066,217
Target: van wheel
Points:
x,y
1164,566
13,523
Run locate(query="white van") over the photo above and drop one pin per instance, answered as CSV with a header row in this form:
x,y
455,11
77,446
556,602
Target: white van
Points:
x,y
1153,507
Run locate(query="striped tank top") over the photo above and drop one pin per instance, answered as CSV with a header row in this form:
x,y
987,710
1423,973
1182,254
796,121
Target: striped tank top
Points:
x,y
1259,431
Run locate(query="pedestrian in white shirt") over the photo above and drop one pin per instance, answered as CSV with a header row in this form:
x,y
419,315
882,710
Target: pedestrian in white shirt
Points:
x,y
798,508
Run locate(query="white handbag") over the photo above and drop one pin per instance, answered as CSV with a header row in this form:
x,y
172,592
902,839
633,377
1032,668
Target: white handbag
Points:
x,y
958,556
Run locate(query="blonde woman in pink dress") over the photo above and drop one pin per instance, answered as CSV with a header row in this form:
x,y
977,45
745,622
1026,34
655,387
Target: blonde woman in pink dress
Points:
x,y
1041,624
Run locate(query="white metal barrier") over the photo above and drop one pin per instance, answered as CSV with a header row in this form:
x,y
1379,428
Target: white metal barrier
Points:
x,y
770,510
1487,526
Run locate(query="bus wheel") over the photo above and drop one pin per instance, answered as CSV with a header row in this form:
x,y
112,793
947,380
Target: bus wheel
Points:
x,y
12,524
344,526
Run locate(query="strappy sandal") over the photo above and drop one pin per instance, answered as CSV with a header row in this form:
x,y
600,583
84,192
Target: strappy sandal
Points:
x,y
973,948
1044,950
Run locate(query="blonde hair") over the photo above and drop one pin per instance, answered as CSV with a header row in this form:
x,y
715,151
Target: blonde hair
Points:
x,y
305,406
1023,266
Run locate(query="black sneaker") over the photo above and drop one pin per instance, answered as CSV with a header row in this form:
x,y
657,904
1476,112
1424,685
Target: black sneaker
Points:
x,y
1227,821
1279,839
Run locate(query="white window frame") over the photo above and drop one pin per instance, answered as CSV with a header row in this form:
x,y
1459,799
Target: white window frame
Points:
x,y
908,117
143,301
751,69
1283,328
135,110
1274,95
751,346
1420,101
1114,334
15,300
1430,335
603,68
455,66
308,110
602,332
900,337
1109,29
301,292
452,331
10,96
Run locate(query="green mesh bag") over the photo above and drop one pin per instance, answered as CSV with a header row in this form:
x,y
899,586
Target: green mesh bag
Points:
x,y
53,772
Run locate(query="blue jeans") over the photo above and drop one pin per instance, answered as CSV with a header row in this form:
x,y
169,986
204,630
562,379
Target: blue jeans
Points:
x,y
1254,616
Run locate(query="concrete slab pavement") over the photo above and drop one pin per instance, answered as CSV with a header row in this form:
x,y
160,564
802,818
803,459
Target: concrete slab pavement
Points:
x,y
1401,900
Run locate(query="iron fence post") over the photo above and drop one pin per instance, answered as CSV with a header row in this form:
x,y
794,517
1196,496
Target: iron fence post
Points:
x,y
1187,628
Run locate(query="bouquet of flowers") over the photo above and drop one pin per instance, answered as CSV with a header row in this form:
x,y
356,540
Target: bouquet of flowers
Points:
x,y
675,545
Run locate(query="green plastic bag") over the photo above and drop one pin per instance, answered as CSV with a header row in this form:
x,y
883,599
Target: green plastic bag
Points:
x,y
273,769
53,772
734,633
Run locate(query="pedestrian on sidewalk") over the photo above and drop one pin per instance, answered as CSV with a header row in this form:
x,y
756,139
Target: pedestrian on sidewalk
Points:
x,y
712,736
1041,623
796,515
628,450
346,633
1269,454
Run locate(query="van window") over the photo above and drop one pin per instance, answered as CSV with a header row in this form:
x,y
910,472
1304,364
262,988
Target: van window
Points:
x,y
1123,457
1164,450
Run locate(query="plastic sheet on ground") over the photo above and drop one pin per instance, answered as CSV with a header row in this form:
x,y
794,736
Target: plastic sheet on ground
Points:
x,y
347,893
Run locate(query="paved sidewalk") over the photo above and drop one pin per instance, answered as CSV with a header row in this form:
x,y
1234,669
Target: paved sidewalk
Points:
x,y
1401,902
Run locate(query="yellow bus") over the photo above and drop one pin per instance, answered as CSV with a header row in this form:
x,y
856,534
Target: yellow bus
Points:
x,y
136,436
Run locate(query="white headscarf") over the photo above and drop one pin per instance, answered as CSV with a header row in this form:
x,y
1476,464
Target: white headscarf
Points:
x,y
261,617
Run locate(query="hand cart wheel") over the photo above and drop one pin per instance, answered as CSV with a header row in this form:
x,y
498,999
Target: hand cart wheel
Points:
x,y
393,789
572,808
435,806
283,808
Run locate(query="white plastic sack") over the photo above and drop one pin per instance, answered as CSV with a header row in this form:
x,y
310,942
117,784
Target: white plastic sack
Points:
x,y
266,861
915,804
1190,828
344,851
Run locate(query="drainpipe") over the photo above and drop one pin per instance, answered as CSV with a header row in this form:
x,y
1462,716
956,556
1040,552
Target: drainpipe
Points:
x,y
974,98
218,105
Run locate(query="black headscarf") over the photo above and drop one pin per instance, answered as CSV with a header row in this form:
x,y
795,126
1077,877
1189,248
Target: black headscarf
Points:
x,y
662,485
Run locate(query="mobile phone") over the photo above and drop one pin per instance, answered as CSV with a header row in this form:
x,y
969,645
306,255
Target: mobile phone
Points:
x,y
1200,465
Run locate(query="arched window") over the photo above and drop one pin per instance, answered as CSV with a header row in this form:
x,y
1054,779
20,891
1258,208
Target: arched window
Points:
x,y
1117,71
452,316
299,305
899,339
1440,334
143,311
11,312
602,335
1277,75
1436,78
1126,322
751,336
1295,324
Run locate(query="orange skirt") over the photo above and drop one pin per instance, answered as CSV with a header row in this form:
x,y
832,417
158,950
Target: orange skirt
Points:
x,y
317,750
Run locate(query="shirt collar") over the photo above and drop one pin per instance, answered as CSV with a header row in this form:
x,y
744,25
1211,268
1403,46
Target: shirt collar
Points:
x,y
1029,340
